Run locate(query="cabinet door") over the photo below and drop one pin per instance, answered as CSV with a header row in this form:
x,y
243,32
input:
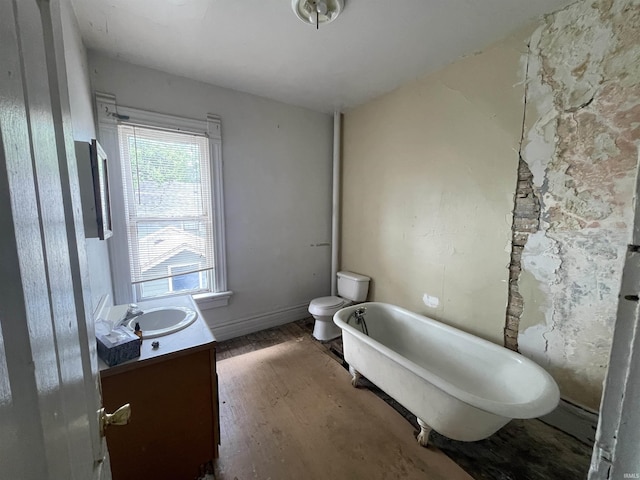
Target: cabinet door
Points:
x,y
172,428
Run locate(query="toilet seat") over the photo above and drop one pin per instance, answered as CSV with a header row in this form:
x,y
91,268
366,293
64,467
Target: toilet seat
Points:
x,y
325,306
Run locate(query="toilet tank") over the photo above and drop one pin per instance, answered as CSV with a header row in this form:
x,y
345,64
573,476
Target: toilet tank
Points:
x,y
353,286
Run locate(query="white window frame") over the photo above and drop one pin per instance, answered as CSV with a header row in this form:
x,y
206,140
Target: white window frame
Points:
x,y
108,116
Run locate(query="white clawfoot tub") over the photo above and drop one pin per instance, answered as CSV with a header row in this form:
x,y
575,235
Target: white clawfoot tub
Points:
x,y
462,386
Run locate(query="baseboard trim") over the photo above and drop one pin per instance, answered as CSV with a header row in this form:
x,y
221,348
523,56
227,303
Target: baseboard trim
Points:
x,y
578,422
255,323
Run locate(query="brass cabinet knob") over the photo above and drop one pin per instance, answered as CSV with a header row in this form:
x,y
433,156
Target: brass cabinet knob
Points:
x,y
120,417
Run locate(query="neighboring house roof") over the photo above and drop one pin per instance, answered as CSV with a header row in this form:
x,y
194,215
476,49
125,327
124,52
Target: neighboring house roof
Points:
x,y
165,243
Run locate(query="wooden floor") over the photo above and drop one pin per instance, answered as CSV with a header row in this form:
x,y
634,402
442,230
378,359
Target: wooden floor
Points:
x,y
522,450
289,412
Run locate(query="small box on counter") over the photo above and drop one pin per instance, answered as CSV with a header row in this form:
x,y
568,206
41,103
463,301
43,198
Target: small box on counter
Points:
x,y
118,346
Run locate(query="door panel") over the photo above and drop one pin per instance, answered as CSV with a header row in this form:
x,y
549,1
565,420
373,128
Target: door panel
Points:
x,y
39,83
25,321
48,396
76,238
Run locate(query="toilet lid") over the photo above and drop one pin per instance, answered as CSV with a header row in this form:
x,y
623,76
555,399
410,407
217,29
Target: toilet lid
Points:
x,y
327,302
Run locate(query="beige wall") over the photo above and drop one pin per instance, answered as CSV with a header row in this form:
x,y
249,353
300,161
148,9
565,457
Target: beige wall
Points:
x,y
429,175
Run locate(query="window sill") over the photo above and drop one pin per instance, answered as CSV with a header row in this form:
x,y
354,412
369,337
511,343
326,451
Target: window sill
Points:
x,y
206,301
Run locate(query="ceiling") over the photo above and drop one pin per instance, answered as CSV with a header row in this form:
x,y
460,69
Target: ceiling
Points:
x,y
260,47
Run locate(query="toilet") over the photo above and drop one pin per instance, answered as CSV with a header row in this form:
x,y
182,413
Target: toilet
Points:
x,y
352,288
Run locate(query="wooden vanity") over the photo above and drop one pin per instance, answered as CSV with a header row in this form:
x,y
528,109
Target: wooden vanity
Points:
x,y
173,392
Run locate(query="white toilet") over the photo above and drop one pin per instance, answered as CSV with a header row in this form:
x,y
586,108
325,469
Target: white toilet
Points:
x,y
352,288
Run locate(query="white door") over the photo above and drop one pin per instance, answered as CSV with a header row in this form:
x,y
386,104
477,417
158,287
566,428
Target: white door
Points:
x,y
49,390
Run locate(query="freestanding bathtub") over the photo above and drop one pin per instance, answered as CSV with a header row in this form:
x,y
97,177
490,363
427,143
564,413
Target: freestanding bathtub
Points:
x,y
462,386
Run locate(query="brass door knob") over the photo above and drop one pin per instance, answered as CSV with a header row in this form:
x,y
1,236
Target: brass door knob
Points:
x,y
120,417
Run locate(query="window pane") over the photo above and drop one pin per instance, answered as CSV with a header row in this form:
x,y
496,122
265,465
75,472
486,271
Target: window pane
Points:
x,y
165,177
168,202
169,243
154,288
185,283
189,281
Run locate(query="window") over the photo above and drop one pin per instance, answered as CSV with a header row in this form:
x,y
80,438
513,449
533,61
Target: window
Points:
x,y
168,204
170,220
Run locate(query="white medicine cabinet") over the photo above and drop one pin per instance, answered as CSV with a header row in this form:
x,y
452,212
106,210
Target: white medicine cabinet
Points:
x,y
94,189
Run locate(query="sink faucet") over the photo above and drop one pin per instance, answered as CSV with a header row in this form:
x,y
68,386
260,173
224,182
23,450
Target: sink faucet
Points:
x,y
132,311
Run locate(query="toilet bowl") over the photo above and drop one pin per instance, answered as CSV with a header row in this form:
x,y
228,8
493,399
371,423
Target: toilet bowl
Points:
x,y
352,288
323,309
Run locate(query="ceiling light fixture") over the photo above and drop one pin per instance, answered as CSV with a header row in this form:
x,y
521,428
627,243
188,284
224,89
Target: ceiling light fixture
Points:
x,y
315,12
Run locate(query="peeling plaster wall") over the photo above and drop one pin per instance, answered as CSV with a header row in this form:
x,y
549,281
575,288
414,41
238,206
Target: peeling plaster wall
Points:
x,y
581,137
429,173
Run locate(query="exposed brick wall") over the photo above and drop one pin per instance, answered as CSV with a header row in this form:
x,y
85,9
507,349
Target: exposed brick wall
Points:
x,y
526,220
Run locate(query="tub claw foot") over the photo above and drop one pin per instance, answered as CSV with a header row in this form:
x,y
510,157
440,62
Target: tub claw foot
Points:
x,y
423,436
355,376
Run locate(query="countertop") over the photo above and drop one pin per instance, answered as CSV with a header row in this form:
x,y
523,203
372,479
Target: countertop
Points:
x,y
194,337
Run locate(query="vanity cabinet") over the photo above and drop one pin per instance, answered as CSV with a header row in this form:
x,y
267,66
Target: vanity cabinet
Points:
x,y
174,427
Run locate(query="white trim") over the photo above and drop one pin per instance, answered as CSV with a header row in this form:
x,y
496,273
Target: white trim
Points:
x,y
255,323
207,301
145,118
106,110
214,131
616,448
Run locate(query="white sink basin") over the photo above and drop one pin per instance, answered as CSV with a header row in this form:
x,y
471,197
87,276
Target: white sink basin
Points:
x,y
157,322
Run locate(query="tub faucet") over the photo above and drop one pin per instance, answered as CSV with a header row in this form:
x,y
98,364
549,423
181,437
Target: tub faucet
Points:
x,y
359,313
132,311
